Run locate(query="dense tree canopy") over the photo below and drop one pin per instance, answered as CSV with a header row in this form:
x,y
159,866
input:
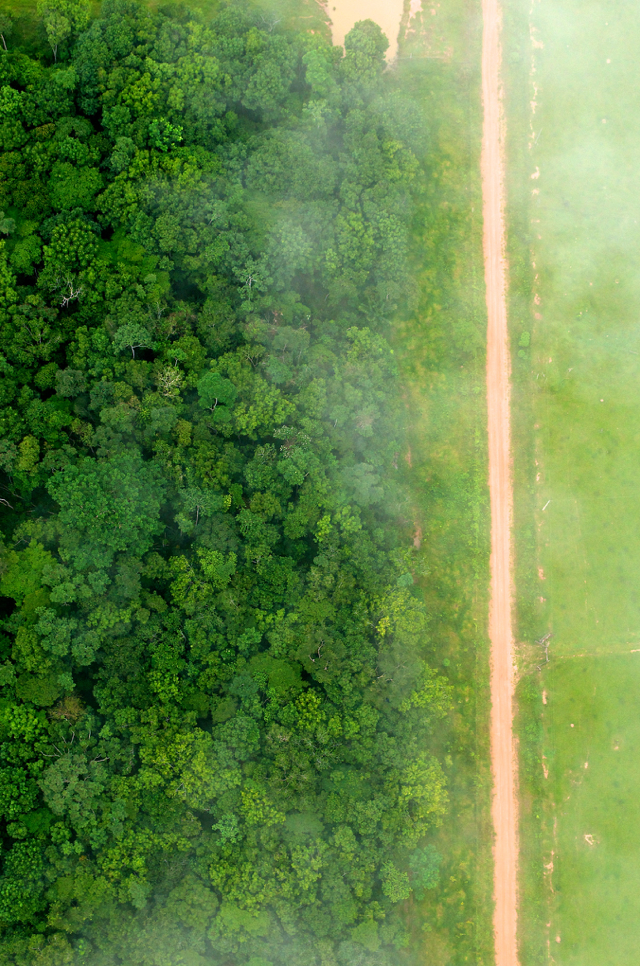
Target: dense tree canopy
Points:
x,y
216,721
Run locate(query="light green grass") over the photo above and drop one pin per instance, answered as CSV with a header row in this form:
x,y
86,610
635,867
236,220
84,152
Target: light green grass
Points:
x,y
578,522
596,881
588,218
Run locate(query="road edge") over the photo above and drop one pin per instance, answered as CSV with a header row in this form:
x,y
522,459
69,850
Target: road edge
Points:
x,y
503,759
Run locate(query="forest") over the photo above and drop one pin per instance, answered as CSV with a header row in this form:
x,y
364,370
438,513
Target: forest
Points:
x,y
218,727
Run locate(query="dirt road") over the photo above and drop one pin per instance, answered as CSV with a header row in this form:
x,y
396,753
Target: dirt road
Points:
x,y
504,806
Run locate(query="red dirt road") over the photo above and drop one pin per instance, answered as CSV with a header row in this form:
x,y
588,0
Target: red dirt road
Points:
x,y
504,807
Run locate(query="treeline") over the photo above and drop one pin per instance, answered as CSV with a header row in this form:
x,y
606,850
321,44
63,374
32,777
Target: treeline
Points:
x,y
217,725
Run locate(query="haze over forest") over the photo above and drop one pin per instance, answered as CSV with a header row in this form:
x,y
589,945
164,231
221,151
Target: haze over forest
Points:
x,y
226,731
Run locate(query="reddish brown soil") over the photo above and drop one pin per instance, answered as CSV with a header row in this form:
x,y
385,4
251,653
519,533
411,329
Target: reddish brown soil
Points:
x,y
504,806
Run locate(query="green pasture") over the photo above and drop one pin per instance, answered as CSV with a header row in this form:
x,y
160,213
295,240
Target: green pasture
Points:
x,y
574,219
591,719
585,239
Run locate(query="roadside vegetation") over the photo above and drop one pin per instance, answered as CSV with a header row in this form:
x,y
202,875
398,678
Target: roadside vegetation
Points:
x,y
573,216
441,354
243,707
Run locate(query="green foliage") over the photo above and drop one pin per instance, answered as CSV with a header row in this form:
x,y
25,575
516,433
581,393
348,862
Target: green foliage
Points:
x,y
395,883
164,135
132,336
220,735
22,571
424,865
61,18
6,28
215,391
106,508
365,46
7,225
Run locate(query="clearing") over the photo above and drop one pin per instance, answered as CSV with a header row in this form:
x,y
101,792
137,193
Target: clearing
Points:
x,y
574,214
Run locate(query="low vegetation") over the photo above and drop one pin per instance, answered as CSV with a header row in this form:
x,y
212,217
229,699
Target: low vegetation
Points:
x,y
575,298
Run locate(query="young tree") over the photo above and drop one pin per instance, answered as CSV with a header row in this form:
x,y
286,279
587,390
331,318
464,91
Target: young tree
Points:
x,y
62,18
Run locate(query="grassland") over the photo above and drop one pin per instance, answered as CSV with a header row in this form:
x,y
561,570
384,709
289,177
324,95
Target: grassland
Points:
x,y
592,743
575,304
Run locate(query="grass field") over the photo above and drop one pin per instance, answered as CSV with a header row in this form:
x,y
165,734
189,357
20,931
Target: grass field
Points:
x,y
592,748
575,314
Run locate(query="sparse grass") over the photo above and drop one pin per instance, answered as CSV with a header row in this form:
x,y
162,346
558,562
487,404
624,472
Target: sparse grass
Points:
x,y
577,424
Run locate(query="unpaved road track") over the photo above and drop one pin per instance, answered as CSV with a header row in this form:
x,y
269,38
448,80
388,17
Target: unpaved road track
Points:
x,y
504,807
